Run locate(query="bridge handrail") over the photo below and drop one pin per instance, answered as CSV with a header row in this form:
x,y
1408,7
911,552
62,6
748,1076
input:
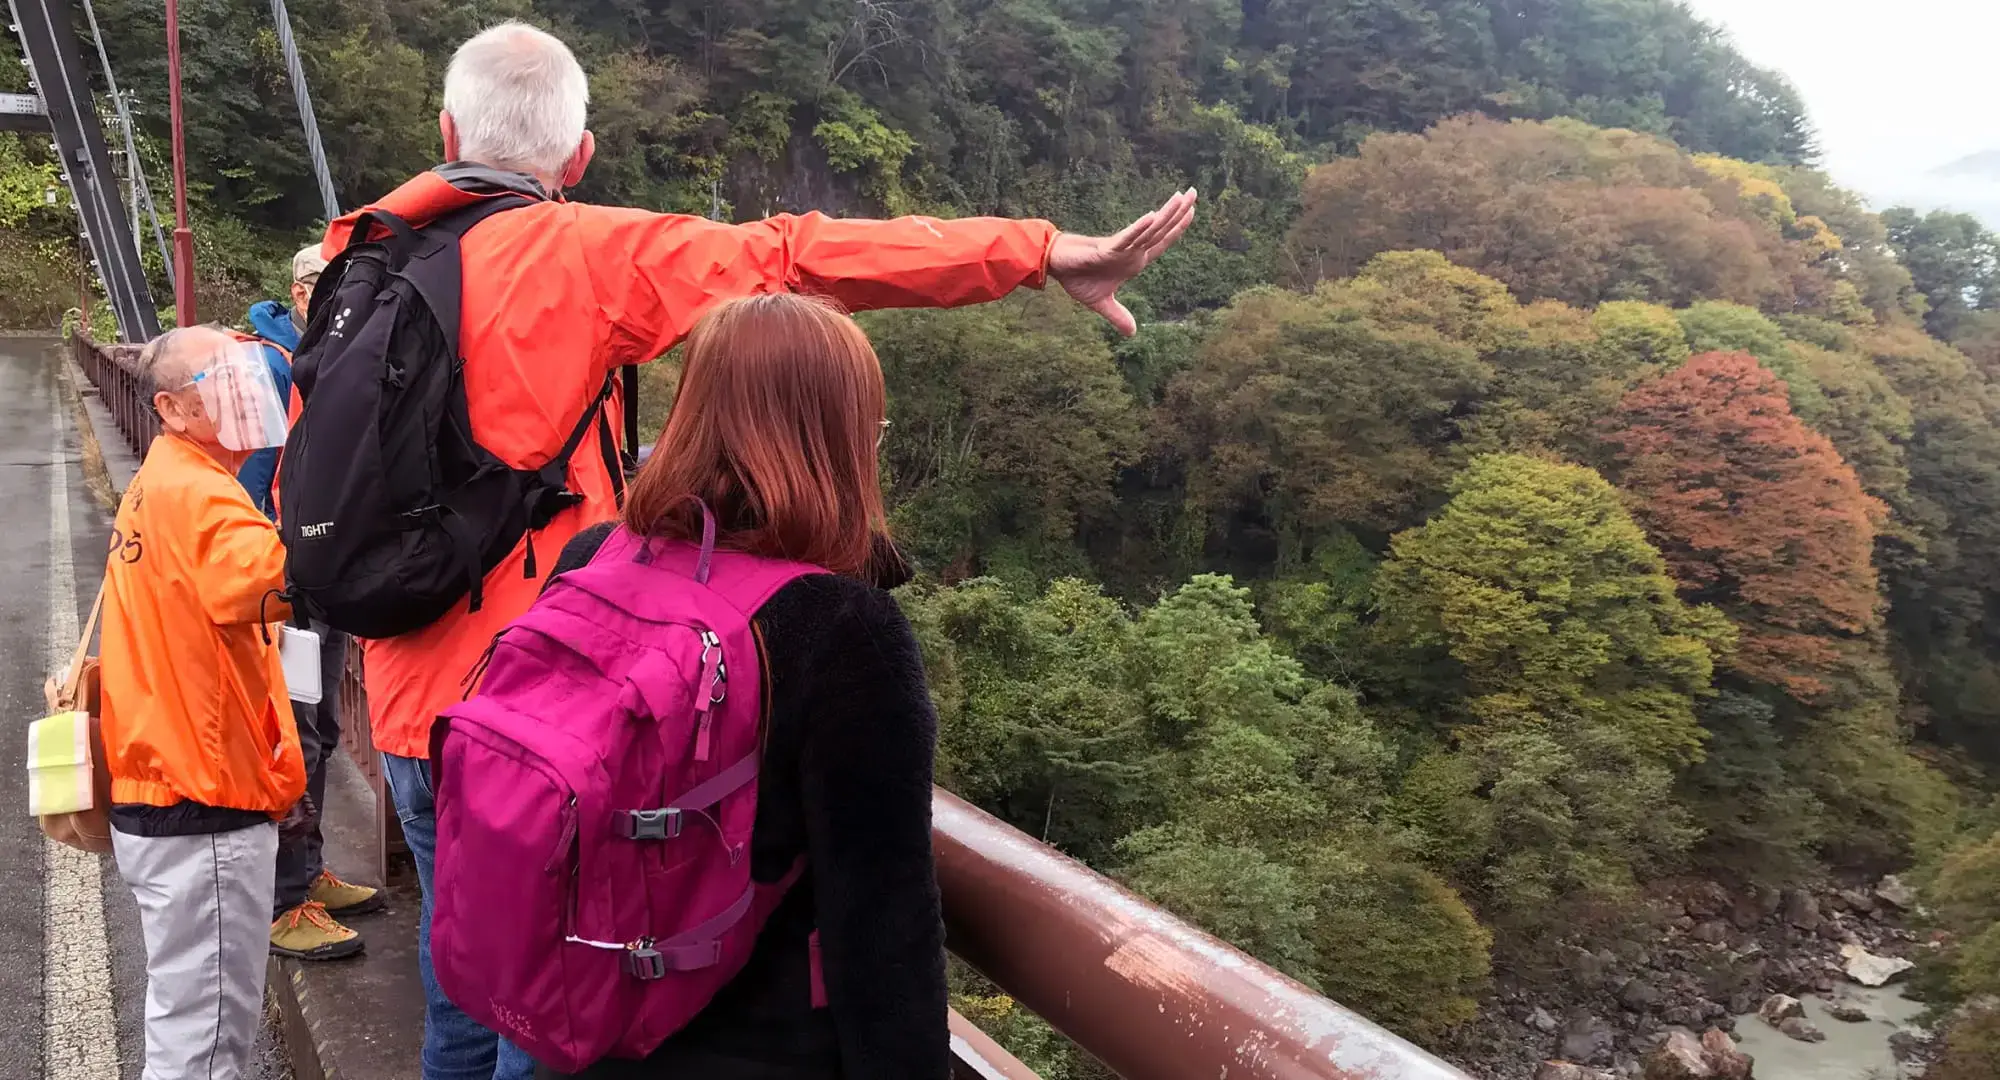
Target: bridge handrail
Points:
x,y
114,370
1141,990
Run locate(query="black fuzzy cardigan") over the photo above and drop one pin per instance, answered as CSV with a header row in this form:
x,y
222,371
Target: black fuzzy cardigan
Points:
x,y
847,781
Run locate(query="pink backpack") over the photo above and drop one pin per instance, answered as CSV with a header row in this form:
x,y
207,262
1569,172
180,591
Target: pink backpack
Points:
x,y
595,801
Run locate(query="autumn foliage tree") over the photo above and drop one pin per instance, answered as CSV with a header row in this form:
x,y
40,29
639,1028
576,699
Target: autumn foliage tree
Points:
x,y
1557,210
1307,413
1755,513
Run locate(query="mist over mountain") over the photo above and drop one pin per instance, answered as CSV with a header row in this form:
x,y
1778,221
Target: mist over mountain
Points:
x,y
1969,185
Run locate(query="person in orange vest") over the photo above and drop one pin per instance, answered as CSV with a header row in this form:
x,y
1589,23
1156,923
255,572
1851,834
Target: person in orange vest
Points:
x,y
558,295
311,900
198,733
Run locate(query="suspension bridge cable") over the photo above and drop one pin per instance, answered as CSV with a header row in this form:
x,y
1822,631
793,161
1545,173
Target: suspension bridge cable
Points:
x,y
304,98
141,190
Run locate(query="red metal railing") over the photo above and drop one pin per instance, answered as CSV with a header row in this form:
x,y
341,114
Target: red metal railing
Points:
x,y
357,737
1144,992
113,369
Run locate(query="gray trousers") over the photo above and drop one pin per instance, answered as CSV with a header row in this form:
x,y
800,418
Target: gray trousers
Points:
x,y
204,908
300,857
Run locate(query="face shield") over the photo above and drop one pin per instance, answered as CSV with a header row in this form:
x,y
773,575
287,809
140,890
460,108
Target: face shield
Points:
x,y
239,395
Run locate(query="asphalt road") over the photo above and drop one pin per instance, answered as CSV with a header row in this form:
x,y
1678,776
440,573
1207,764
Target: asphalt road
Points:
x,y
72,965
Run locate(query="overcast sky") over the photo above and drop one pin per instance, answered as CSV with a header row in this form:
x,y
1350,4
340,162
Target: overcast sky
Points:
x,y
1895,87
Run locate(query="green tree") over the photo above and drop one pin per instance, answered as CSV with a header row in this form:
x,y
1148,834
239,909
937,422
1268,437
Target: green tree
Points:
x,y
1011,423
1038,721
1953,259
1759,820
1537,621
1938,599
1307,414
1866,259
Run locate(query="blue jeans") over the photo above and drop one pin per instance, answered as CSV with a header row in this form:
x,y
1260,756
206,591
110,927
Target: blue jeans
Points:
x,y
455,1046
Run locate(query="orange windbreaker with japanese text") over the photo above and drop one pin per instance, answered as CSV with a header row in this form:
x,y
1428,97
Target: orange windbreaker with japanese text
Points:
x,y
194,698
558,295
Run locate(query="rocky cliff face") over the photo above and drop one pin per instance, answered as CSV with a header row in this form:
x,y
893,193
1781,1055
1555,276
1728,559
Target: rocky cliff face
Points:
x,y
798,180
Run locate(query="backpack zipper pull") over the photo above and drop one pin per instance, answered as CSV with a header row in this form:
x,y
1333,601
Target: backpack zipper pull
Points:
x,y
563,839
716,681
478,670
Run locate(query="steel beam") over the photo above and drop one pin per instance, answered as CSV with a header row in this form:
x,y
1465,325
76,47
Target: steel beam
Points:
x,y
23,112
55,63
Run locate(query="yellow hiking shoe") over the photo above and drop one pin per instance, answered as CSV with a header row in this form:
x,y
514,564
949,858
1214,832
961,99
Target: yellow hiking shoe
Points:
x,y
343,899
307,932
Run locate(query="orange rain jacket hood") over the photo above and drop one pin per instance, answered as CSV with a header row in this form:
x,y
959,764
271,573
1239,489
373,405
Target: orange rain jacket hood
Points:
x,y
195,706
559,295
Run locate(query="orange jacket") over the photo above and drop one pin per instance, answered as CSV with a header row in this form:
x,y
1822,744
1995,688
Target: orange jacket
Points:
x,y
194,697
558,295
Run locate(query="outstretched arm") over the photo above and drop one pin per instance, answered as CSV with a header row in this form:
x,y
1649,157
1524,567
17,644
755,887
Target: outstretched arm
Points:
x,y
657,274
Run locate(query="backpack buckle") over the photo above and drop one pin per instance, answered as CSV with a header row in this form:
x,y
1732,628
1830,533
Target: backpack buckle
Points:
x,y
661,824
643,962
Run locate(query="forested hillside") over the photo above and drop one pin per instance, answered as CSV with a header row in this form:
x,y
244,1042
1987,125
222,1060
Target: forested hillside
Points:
x,y
1535,487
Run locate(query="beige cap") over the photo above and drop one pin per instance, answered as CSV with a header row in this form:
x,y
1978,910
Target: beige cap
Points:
x,y
307,264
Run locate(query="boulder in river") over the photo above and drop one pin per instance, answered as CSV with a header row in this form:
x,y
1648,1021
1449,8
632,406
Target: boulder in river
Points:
x,y
1869,969
1798,1028
1681,1057
1892,891
1905,1046
1727,1062
1846,1012
1780,1007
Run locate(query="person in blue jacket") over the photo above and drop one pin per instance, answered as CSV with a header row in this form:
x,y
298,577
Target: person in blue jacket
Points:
x,y
280,325
310,899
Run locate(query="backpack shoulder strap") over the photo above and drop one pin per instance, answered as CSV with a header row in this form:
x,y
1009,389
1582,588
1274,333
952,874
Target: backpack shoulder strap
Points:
x,y
433,268
556,472
254,339
748,582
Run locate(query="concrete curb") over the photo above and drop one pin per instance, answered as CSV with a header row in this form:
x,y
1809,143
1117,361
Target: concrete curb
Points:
x,y
360,1018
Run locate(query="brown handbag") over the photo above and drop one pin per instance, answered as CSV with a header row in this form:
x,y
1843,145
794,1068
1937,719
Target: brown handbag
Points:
x,y
86,830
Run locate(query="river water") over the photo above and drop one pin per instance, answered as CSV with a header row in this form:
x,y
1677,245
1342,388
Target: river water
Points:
x,y
1850,1052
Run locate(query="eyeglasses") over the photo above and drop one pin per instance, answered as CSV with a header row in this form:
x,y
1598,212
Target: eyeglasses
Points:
x,y
881,435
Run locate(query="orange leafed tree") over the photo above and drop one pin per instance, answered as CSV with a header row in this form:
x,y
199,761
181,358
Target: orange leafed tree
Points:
x,y
1755,512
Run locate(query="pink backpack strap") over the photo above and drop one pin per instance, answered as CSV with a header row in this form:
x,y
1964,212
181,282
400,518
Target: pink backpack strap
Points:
x,y
816,971
619,543
749,581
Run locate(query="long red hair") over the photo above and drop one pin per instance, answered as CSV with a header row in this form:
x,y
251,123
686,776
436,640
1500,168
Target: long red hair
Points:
x,y
775,427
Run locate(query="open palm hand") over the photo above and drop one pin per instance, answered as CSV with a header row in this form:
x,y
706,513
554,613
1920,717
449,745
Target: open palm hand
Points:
x,y
1093,268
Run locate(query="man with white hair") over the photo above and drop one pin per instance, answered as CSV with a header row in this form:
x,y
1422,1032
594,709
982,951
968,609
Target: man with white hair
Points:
x,y
558,295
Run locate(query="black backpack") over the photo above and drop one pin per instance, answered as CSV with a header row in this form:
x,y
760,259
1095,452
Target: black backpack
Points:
x,y
389,509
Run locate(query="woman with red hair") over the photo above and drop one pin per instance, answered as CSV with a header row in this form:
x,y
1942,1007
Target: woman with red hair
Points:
x,y
776,428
